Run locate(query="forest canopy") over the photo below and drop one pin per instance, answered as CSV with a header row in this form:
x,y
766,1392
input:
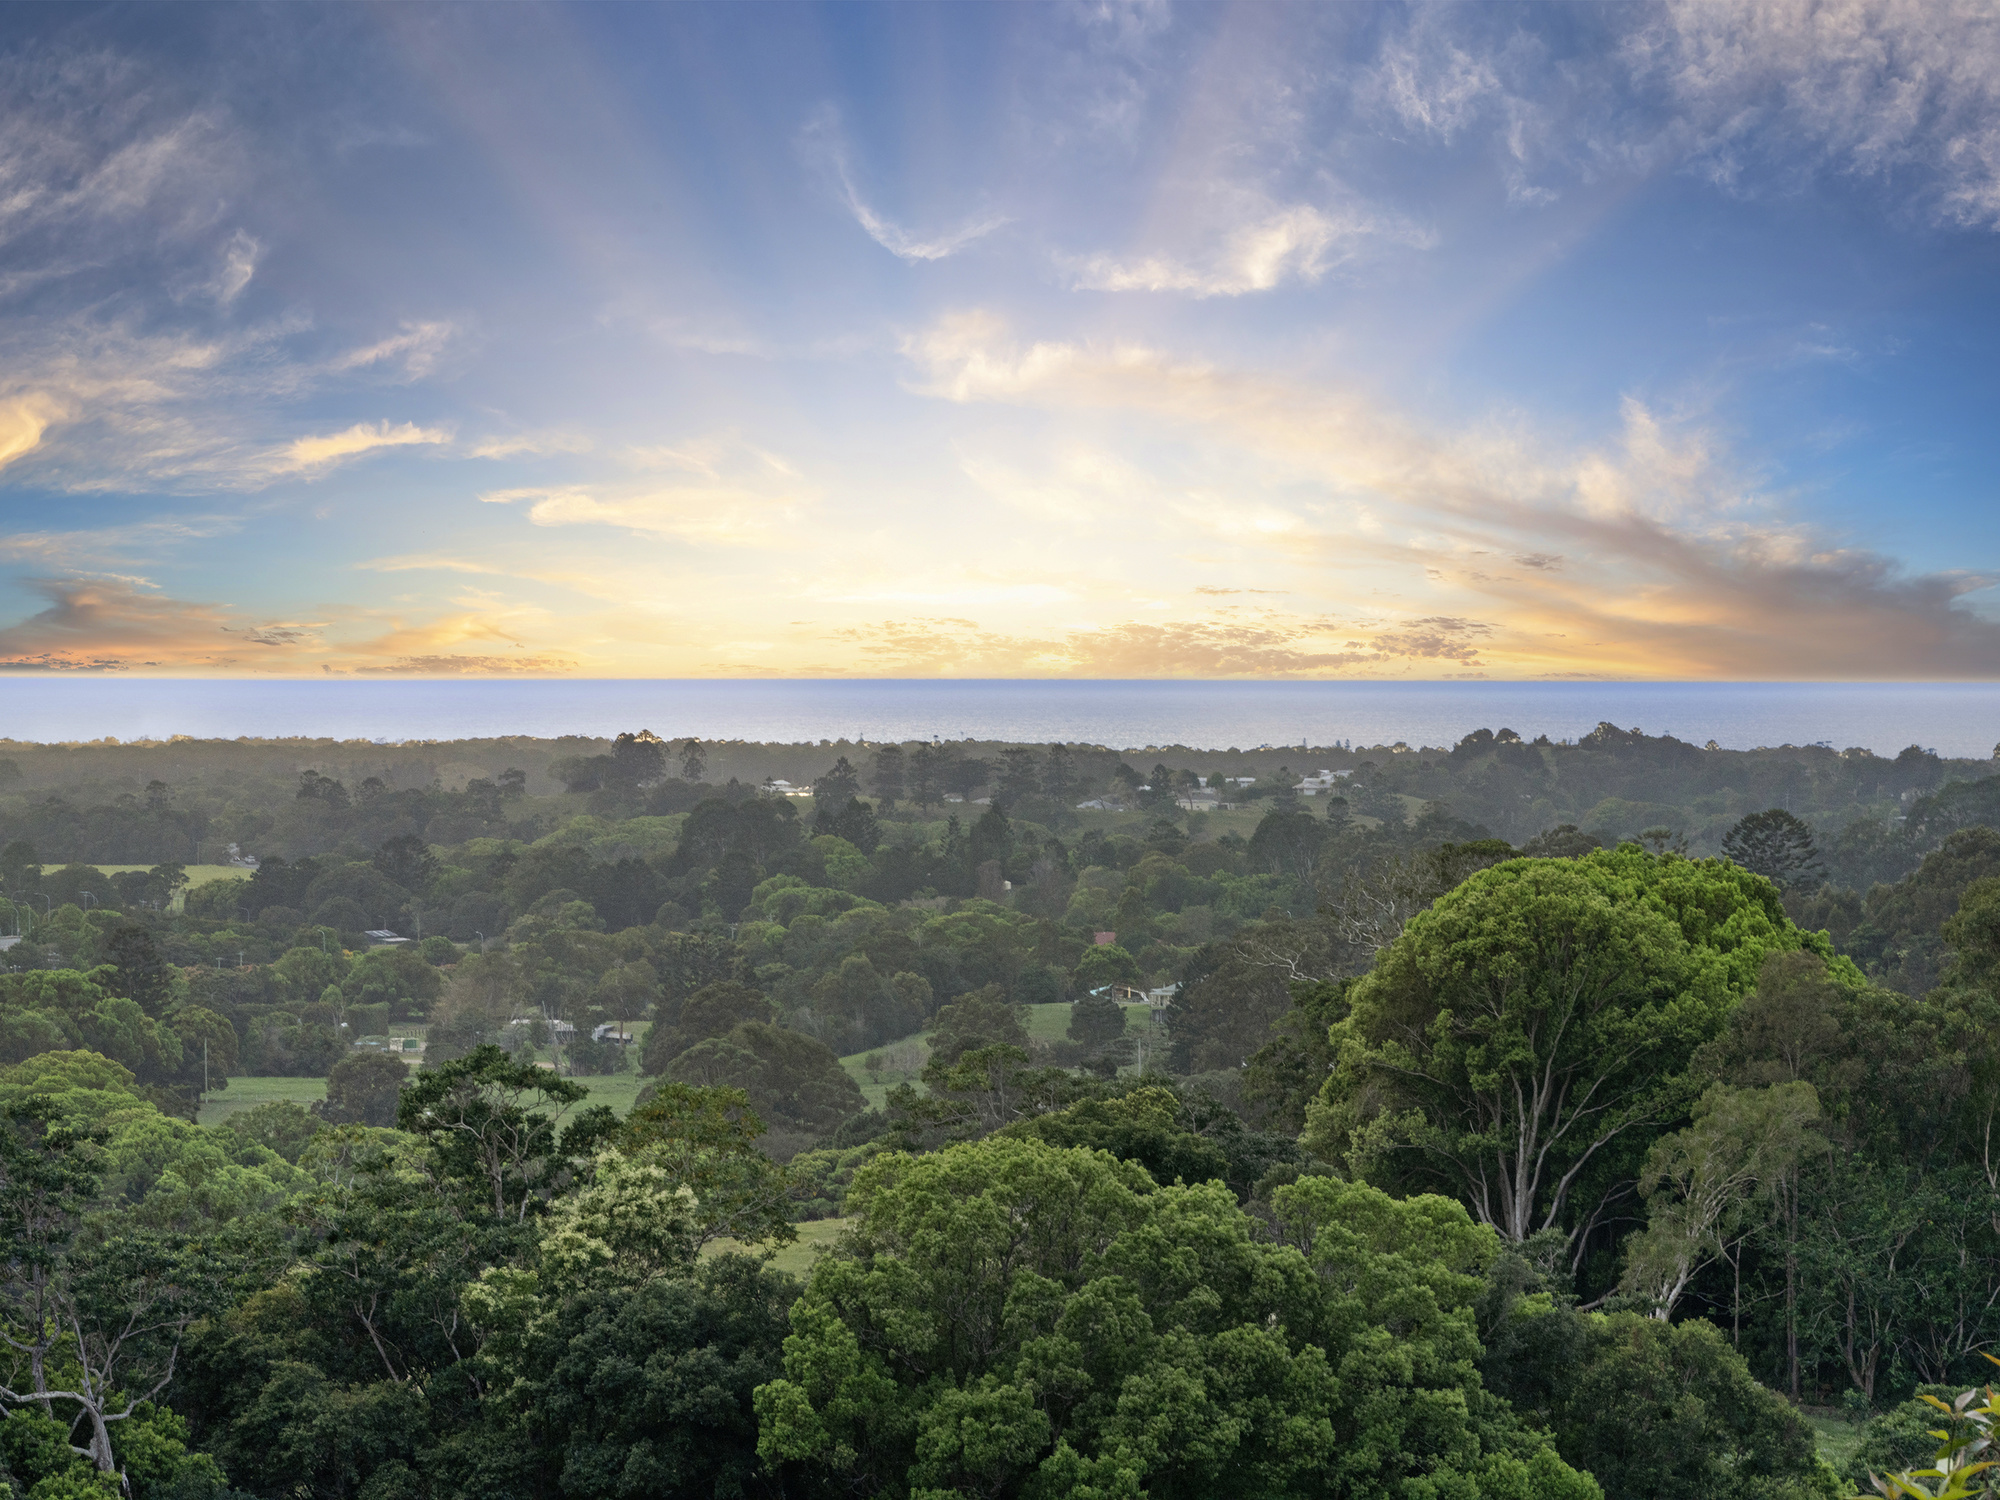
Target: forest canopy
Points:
x,y
650,1116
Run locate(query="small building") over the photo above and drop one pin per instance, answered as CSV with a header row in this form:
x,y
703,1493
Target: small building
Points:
x,y
1104,939
1124,994
1320,781
1163,995
611,1031
382,937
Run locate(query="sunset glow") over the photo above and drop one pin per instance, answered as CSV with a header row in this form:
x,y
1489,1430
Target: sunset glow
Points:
x,y
1086,340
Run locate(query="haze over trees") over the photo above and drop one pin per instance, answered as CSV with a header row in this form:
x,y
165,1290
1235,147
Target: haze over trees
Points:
x,y
1182,1129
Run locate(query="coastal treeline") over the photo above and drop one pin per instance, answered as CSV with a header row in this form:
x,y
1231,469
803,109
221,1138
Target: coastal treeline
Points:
x,y
1166,1125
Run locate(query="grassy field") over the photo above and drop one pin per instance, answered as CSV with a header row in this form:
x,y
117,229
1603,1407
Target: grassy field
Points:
x,y
1836,1436
619,1090
798,1256
903,1059
248,1093
196,874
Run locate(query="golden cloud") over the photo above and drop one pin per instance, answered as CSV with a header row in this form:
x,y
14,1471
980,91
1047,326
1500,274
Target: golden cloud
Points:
x,y
308,453
23,420
1648,556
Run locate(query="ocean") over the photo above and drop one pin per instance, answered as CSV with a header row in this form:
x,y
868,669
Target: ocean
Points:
x,y
1955,719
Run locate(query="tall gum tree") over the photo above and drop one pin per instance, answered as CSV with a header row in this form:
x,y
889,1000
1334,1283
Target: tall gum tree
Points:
x,y
1523,1041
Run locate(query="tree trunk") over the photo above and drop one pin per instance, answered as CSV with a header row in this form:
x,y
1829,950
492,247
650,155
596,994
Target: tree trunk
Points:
x,y
1792,1285
100,1445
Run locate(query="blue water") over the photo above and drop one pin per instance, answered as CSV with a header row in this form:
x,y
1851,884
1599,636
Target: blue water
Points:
x,y
1956,719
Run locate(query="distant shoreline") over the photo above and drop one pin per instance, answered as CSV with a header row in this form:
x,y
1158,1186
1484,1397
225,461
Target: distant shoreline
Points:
x,y
1957,719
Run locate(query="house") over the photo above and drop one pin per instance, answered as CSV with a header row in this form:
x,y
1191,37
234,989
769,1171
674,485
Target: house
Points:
x,y
1163,995
560,1031
1104,939
1124,994
777,786
1320,781
611,1031
382,937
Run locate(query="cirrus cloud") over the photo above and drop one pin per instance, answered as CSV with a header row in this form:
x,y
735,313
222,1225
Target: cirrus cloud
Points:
x,y
310,453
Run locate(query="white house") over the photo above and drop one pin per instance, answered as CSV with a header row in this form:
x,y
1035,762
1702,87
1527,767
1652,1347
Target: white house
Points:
x,y
1320,781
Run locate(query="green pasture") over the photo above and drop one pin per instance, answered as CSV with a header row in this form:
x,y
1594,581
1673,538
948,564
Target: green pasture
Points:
x,y
1835,1435
796,1258
248,1093
196,874
619,1090
904,1059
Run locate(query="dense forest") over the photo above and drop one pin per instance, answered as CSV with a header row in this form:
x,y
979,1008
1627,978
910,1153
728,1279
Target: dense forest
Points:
x,y
1513,1119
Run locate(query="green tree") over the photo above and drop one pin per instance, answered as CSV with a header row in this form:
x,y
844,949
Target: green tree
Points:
x,y
1285,1075
1776,845
647,1391
839,786
976,1019
492,1123
20,867
925,774
1668,1411
706,1139
282,1125
408,861
711,1011
1707,1187
1524,1039
1011,1319
142,975
1059,776
1104,965
1096,1020
1143,1127
364,1088
886,773
793,1081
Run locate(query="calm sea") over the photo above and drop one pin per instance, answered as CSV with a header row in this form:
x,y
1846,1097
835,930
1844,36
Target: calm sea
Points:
x,y
1955,719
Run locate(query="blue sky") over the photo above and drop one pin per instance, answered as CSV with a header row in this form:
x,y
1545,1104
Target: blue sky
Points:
x,y
1001,340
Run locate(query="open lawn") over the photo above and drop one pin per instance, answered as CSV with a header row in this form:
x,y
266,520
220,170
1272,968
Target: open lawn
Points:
x,y
248,1093
196,874
797,1257
902,1061
1836,1437
619,1090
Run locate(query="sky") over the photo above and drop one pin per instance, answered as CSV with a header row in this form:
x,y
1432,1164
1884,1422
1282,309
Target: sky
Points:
x,y
1097,340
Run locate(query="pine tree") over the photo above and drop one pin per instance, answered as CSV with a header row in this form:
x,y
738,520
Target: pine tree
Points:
x,y
1776,845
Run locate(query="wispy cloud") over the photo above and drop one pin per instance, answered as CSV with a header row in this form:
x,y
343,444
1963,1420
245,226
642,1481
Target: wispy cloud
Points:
x,y
1295,243
23,420
239,265
543,665
1282,647
105,624
307,454
530,445
823,141
1909,88
1652,556
718,515
417,349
